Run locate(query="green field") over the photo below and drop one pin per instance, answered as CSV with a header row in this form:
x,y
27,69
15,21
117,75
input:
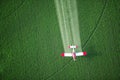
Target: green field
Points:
x,y
31,42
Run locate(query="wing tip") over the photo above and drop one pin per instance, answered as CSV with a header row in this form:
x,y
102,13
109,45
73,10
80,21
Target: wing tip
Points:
x,y
76,46
84,53
62,55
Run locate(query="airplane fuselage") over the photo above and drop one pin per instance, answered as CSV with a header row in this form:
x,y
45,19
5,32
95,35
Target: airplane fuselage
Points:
x,y
74,56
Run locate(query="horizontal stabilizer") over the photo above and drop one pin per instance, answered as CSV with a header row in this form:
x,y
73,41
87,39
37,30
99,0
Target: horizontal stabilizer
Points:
x,y
73,46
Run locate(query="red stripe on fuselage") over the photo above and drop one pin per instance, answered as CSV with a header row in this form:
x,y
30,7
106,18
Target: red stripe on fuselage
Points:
x,y
74,55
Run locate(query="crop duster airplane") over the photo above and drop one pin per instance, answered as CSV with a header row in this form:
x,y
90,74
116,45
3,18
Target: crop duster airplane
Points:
x,y
73,53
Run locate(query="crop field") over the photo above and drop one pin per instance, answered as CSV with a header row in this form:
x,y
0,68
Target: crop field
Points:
x,y
33,34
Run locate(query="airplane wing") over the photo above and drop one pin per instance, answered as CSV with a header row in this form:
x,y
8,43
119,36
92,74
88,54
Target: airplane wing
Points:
x,y
81,54
66,54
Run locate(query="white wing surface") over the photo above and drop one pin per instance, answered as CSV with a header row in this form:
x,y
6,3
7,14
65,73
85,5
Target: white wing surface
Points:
x,y
66,54
79,54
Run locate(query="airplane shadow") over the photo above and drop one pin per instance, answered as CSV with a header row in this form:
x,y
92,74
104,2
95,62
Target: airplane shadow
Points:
x,y
92,52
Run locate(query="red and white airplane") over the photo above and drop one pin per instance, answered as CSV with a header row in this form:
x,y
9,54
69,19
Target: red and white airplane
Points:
x,y
73,54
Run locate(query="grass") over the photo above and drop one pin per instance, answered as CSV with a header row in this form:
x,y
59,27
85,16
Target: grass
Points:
x,y
31,43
